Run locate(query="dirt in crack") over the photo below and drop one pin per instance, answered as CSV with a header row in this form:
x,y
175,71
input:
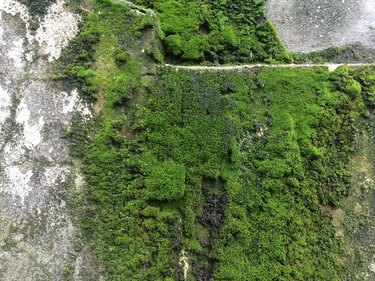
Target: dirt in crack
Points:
x,y
209,224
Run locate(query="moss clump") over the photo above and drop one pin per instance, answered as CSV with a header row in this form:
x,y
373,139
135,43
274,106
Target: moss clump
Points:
x,y
122,58
217,31
166,181
366,77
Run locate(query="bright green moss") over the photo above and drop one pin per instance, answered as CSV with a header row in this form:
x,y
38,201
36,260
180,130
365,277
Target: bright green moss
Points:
x,y
166,181
262,141
231,168
217,31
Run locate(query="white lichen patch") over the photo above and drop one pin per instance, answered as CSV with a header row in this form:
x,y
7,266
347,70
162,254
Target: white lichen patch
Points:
x,y
73,103
54,175
16,53
1,31
70,101
79,181
18,181
5,103
31,128
13,153
14,7
372,267
58,27
14,49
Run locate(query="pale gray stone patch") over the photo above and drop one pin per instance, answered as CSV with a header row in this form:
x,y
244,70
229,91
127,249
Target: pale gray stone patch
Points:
x,y
37,236
58,27
305,26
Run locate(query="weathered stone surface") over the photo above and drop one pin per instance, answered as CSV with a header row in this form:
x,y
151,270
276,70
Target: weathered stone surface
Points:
x,y
36,232
305,26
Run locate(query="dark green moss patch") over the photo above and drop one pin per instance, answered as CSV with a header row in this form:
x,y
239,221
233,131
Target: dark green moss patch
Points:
x,y
37,8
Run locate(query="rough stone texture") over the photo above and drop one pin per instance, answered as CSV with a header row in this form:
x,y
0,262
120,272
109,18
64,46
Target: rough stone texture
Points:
x,y
37,236
313,25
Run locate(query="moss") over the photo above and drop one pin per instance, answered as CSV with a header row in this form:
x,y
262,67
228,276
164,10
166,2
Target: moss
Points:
x,y
37,8
234,31
121,58
166,181
87,79
365,76
331,54
231,168
275,176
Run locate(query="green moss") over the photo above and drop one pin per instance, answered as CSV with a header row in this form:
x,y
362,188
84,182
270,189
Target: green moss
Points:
x,y
271,144
166,181
37,8
230,167
86,78
217,31
121,58
330,54
366,77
